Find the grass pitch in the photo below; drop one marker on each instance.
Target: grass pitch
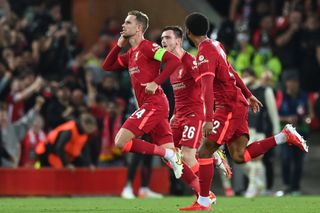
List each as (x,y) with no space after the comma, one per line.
(168,204)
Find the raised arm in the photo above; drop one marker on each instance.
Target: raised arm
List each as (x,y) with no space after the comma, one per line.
(114,61)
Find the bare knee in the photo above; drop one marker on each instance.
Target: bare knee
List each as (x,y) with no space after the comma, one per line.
(207,148)
(122,138)
(238,157)
(204,153)
(190,160)
(118,141)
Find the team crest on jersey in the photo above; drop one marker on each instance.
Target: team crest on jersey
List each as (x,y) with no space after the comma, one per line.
(201,57)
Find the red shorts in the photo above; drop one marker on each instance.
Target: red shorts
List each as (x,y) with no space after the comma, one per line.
(187,131)
(151,120)
(229,125)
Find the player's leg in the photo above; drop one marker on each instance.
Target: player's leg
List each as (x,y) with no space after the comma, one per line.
(161,135)
(189,141)
(209,145)
(242,153)
(141,121)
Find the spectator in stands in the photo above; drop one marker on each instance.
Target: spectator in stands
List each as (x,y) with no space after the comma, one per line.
(264,59)
(18,94)
(242,58)
(66,145)
(59,109)
(265,33)
(288,41)
(109,115)
(12,133)
(262,124)
(34,136)
(310,60)
(293,108)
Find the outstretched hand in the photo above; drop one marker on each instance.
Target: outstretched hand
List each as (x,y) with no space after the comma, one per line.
(255,104)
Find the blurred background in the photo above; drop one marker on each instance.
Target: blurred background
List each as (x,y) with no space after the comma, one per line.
(54,49)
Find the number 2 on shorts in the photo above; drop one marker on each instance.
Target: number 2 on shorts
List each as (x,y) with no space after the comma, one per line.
(216,125)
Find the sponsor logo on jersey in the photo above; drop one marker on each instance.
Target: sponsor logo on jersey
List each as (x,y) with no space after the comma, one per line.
(202,60)
(178,86)
(133,70)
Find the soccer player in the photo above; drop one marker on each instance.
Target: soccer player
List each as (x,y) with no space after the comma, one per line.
(188,115)
(229,123)
(143,60)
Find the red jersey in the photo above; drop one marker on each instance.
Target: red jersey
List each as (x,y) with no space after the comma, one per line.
(187,92)
(144,67)
(227,89)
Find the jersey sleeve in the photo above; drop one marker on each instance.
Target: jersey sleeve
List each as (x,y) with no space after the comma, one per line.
(114,61)
(155,52)
(206,64)
(244,89)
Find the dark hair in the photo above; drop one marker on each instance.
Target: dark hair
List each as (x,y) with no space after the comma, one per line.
(88,119)
(141,18)
(197,24)
(177,30)
(3,106)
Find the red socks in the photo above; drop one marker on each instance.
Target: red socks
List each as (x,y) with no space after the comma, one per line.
(258,148)
(189,177)
(143,147)
(205,175)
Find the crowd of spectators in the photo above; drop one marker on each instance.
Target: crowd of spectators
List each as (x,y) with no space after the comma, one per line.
(41,55)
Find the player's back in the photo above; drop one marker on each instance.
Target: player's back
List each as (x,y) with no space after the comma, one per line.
(226,93)
(187,92)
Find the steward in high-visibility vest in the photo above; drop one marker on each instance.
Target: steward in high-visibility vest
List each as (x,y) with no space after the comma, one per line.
(65,143)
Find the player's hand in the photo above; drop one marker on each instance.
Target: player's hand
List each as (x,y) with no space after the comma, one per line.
(207,129)
(255,104)
(39,103)
(151,87)
(122,41)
